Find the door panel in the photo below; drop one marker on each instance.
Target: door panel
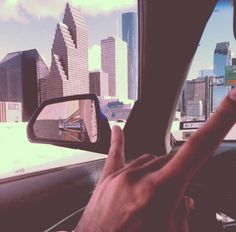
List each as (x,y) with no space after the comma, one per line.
(38,202)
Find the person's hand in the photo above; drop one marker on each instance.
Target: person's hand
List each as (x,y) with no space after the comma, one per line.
(148,193)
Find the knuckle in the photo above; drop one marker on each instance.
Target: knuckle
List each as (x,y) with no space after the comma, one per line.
(149,185)
(114,151)
(127,176)
(147,155)
(117,142)
(226,108)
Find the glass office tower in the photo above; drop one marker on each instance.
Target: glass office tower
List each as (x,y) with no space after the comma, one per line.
(130,36)
(222,58)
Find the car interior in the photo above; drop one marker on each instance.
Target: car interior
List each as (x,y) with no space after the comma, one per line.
(54,199)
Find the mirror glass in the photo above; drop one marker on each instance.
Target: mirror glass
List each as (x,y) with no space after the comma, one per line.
(72,121)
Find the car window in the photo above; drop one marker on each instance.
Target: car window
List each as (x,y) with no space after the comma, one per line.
(61,48)
(211,75)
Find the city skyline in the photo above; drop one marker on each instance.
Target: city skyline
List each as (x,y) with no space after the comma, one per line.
(218,29)
(17,35)
(69,73)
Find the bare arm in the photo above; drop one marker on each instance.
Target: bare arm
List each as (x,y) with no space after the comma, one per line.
(147,193)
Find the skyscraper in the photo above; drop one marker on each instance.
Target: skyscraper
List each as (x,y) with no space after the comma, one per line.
(222,58)
(20,74)
(98,83)
(114,62)
(130,35)
(69,67)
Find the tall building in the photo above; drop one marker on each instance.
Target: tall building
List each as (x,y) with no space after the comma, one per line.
(69,67)
(130,36)
(20,75)
(222,58)
(114,62)
(98,83)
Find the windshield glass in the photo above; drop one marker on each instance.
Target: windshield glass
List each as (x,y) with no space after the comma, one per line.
(211,76)
(59,48)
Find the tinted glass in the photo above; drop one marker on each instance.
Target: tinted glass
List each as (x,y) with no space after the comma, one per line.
(212,73)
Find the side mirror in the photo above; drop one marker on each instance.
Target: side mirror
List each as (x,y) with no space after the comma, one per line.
(73,121)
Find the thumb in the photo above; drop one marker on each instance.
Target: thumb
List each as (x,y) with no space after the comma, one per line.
(115,159)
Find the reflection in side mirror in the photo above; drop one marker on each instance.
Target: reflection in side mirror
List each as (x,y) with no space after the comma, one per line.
(72,121)
(68,121)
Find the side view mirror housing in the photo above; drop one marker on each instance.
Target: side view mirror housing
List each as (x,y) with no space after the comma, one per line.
(73,121)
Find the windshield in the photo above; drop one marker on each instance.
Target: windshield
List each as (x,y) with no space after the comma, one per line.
(211,76)
(59,48)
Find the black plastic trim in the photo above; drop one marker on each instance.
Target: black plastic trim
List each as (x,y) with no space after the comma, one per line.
(33,138)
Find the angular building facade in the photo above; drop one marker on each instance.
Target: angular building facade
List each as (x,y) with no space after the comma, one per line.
(222,58)
(130,36)
(98,83)
(114,61)
(20,75)
(69,67)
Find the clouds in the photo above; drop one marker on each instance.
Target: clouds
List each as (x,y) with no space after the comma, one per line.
(10,10)
(95,7)
(20,10)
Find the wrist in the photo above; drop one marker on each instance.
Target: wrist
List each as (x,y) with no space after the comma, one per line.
(85,225)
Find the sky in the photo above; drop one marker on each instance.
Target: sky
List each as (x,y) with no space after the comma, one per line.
(31,24)
(218,29)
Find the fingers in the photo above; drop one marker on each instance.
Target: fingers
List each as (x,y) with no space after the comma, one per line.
(136,165)
(150,165)
(141,160)
(115,159)
(202,144)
